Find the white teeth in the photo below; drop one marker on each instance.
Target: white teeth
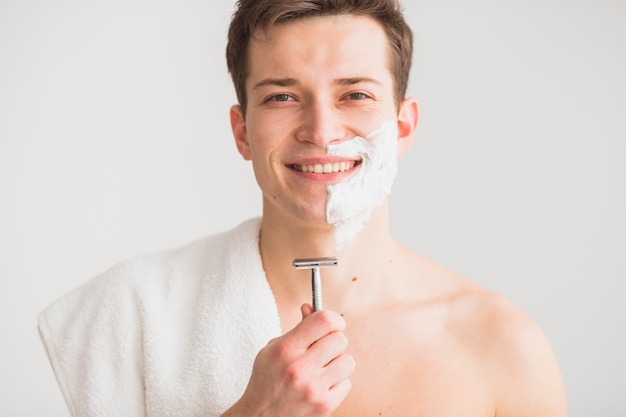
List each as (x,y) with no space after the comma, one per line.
(325,168)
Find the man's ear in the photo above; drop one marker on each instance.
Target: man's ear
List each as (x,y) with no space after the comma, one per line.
(407,124)
(240,132)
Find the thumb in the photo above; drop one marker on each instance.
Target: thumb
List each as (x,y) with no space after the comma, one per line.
(306,309)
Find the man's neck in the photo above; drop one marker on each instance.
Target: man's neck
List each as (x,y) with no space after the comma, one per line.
(364,263)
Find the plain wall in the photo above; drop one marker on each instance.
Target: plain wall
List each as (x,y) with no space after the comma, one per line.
(115,141)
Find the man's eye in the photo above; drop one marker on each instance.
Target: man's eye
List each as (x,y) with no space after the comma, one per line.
(280,97)
(357,96)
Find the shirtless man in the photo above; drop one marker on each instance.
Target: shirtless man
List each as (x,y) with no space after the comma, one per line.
(219,326)
(401,336)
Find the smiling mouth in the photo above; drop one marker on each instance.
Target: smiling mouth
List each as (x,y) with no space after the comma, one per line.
(328,168)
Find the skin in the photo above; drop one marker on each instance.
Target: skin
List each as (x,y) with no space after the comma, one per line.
(401,336)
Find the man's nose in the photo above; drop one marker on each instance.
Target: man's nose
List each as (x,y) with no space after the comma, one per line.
(321,125)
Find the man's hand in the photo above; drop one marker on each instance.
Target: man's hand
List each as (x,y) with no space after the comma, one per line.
(302,373)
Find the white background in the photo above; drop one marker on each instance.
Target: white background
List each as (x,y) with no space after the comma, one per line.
(114,141)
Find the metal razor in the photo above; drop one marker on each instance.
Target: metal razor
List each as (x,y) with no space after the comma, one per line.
(314,264)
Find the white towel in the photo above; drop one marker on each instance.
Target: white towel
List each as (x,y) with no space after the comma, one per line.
(168,334)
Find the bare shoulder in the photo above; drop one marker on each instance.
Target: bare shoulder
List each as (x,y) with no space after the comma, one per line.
(436,335)
(515,355)
(502,345)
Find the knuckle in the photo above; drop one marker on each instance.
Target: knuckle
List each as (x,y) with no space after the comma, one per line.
(295,374)
(325,317)
(338,342)
(342,340)
(282,351)
(309,393)
(320,403)
(323,408)
(342,390)
(330,319)
(350,363)
(348,385)
(345,365)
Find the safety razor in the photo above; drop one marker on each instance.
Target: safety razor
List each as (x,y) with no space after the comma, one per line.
(314,264)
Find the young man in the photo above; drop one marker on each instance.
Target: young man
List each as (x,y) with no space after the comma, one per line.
(223,326)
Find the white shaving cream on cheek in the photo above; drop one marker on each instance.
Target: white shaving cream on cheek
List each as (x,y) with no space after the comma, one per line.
(350,203)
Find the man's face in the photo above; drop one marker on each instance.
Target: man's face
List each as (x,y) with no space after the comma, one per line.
(319,81)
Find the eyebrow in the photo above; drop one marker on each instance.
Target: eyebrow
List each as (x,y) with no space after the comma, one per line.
(356,80)
(288,82)
(279,82)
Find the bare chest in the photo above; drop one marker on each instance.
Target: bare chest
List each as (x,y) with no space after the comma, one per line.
(402,373)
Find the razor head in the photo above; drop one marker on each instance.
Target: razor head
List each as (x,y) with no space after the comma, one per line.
(309,263)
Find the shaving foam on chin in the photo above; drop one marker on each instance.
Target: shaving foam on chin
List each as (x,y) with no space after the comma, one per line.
(350,203)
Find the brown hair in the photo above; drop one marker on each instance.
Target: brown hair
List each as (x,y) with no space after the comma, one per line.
(251,15)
